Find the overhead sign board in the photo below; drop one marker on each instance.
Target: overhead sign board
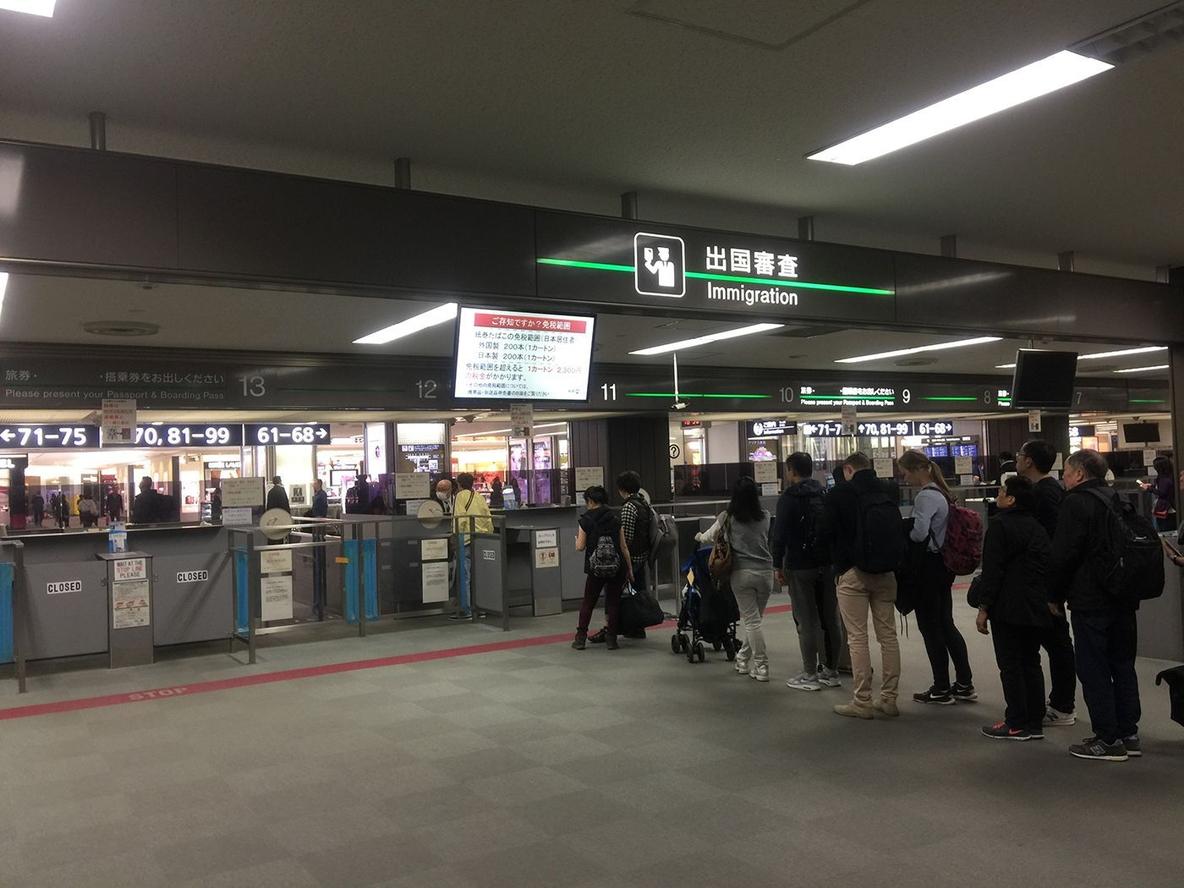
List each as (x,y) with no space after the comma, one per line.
(36,437)
(172,435)
(772,428)
(599,261)
(504,355)
(258,434)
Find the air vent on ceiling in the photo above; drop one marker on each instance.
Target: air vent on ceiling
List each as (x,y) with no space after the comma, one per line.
(121,328)
(916,362)
(1138,37)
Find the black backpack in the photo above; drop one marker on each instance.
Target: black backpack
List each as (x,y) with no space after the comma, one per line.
(809,547)
(879,533)
(643,528)
(1128,561)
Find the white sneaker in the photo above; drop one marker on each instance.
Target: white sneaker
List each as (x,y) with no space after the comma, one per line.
(804,682)
(742,666)
(829,678)
(1054,718)
(760,672)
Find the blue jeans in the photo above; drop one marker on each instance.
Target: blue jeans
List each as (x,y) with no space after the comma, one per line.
(1107,642)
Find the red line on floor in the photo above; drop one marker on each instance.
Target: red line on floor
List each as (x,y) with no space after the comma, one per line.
(246,681)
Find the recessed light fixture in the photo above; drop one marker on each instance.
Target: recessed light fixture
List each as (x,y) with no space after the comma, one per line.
(703,340)
(1144,369)
(1005,366)
(1123,352)
(900,352)
(492,432)
(439,315)
(1014,88)
(32,7)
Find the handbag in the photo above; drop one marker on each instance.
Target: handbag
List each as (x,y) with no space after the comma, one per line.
(719,564)
(639,610)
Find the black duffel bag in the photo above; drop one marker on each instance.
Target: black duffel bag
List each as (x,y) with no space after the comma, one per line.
(639,610)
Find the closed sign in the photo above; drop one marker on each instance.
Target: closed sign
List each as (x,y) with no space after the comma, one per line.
(63,586)
(192,576)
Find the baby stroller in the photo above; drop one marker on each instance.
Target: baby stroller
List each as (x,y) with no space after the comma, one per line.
(708,612)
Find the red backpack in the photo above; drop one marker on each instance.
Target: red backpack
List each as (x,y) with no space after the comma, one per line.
(963,549)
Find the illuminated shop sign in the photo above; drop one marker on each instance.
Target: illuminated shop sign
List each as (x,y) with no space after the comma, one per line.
(904,428)
(170,435)
(49,436)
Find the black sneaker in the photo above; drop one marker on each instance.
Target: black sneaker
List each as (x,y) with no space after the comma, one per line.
(610,642)
(579,641)
(598,637)
(1134,749)
(935,696)
(1098,750)
(1001,731)
(964,693)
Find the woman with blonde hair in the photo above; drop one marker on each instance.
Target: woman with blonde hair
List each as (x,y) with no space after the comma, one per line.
(934,583)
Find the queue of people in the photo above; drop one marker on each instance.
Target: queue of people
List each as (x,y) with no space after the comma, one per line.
(1048,563)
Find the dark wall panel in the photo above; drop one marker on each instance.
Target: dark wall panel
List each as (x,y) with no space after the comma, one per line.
(956,293)
(640,443)
(238,222)
(62,205)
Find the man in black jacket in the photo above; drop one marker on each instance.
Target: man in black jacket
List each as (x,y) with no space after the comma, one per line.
(798,557)
(277,497)
(1012,595)
(1035,461)
(1104,628)
(845,514)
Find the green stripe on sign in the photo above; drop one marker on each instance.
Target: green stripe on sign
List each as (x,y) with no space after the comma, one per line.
(729,278)
(694,395)
(950,398)
(596,266)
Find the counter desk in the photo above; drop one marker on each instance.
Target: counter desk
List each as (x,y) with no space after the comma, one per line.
(68,600)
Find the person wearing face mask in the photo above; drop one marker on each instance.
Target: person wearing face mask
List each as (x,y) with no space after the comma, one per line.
(1105,629)
(1011,596)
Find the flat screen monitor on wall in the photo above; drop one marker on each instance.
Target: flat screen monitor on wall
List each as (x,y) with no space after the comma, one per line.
(1140,432)
(504,355)
(1043,379)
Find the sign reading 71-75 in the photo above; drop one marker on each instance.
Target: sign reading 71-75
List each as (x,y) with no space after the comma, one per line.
(49,436)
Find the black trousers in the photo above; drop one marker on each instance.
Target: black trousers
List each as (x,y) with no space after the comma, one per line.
(1107,642)
(1062,665)
(1017,651)
(935,619)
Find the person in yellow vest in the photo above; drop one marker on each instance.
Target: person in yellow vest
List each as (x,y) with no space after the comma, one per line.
(470,512)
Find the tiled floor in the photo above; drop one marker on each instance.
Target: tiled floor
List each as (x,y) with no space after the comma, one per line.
(543,766)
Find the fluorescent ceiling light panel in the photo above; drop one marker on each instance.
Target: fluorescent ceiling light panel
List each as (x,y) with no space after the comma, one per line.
(495,432)
(703,340)
(901,352)
(1123,352)
(1014,88)
(1005,366)
(32,7)
(1144,369)
(3,287)
(439,315)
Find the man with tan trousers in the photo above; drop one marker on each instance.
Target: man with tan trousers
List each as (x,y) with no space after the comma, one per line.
(863,526)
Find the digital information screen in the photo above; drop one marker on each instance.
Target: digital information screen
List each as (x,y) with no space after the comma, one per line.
(170,435)
(49,436)
(518,355)
(259,434)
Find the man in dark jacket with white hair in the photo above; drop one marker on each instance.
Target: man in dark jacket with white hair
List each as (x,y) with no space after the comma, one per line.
(1104,627)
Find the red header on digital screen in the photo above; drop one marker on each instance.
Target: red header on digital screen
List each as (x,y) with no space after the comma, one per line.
(507,321)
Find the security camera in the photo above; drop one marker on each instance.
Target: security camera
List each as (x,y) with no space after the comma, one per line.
(679,405)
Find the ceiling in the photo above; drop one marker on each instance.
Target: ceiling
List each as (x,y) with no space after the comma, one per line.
(49,309)
(714,98)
